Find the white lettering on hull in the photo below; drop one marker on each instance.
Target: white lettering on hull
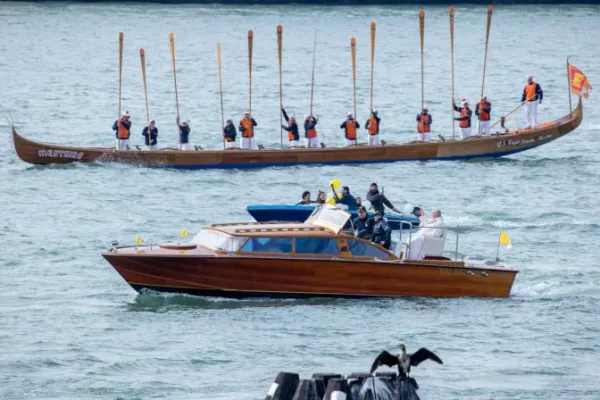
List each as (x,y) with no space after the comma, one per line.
(76,155)
(518,142)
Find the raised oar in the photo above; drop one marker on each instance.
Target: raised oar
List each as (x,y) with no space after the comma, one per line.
(487,39)
(221,90)
(120,71)
(353,50)
(250,38)
(312,83)
(143,61)
(372,61)
(172,40)
(279,48)
(422,29)
(451,12)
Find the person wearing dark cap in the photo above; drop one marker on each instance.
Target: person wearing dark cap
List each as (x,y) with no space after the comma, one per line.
(153,136)
(363,224)
(346,199)
(378,199)
(382,234)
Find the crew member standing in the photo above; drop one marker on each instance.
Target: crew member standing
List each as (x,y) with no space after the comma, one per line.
(531,94)
(372,127)
(184,134)
(246,127)
(122,128)
(424,125)
(350,125)
(229,134)
(483,110)
(292,129)
(153,136)
(464,121)
(310,133)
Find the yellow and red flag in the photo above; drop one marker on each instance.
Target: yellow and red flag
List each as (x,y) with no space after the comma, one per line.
(579,82)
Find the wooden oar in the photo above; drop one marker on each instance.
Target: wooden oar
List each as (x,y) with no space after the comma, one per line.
(143,61)
(372,61)
(422,29)
(221,90)
(353,50)
(279,48)
(451,12)
(487,39)
(172,41)
(120,73)
(513,110)
(312,83)
(250,37)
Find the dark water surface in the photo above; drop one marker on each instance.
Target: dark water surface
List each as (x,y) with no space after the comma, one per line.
(71,328)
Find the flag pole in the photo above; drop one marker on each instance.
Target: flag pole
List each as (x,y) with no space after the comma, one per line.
(569,86)
(498,249)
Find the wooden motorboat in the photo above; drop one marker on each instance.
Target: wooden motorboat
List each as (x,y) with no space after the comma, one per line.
(301,212)
(298,260)
(497,145)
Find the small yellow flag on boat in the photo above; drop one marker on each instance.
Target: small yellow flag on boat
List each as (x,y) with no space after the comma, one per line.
(505,239)
(138,240)
(183,232)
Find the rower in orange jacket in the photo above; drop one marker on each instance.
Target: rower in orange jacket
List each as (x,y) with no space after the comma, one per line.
(122,128)
(424,121)
(310,132)
(247,124)
(483,110)
(532,93)
(350,125)
(372,127)
(464,121)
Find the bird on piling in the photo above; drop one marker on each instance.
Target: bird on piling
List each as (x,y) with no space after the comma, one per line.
(404,360)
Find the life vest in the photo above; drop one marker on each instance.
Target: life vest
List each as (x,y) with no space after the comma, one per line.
(464,123)
(123,129)
(312,132)
(484,115)
(424,124)
(249,128)
(530,91)
(291,135)
(372,126)
(351,130)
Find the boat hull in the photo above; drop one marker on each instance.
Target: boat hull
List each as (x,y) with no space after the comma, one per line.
(290,213)
(472,148)
(246,277)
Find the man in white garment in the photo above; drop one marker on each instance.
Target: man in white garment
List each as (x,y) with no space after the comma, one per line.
(483,110)
(246,128)
(464,120)
(532,93)
(432,229)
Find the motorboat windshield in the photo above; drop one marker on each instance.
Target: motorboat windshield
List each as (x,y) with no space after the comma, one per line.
(217,240)
(330,217)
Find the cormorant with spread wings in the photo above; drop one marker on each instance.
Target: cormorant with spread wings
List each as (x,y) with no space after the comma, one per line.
(404,360)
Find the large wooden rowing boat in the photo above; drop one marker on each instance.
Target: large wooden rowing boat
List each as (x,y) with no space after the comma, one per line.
(313,259)
(497,145)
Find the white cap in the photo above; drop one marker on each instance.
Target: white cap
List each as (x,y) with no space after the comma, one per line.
(246,112)
(348,114)
(374,111)
(293,116)
(126,113)
(307,116)
(187,122)
(425,108)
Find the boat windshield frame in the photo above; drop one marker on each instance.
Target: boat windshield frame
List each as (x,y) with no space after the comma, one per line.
(329,217)
(217,240)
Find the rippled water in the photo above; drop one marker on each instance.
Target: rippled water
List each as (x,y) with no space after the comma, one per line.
(73,329)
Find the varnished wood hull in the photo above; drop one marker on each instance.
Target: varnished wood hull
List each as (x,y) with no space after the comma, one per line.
(481,147)
(242,277)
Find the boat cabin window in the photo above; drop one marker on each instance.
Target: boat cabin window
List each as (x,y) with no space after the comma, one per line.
(308,245)
(217,240)
(362,249)
(267,245)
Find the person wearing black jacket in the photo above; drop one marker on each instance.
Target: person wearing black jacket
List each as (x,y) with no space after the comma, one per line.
(153,136)
(229,133)
(363,225)
(378,200)
(382,234)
